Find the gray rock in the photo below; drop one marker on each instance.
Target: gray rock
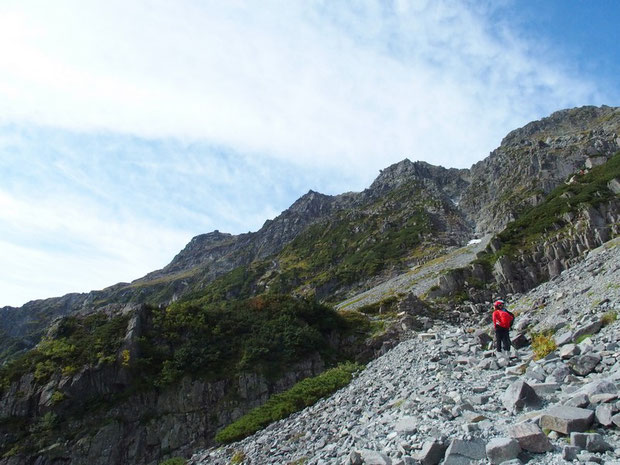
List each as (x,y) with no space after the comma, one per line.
(581,400)
(616,420)
(355,458)
(545,388)
(520,341)
(569,453)
(592,442)
(604,386)
(371,457)
(501,449)
(519,395)
(462,452)
(407,425)
(432,453)
(530,437)
(603,414)
(563,338)
(565,419)
(583,365)
(590,328)
(569,350)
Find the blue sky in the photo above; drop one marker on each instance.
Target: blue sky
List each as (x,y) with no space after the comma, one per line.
(126,128)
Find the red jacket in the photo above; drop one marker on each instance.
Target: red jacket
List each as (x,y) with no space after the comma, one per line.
(502,319)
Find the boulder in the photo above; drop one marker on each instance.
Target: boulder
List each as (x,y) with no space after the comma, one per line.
(603,386)
(565,419)
(569,350)
(355,458)
(484,339)
(569,453)
(371,457)
(592,442)
(563,338)
(462,452)
(432,453)
(406,425)
(603,414)
(518,395)
(583,365)
(520,341)
(590,328)
(530,438)
(502,449)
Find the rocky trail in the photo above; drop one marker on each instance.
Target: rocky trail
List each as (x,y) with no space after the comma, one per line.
(420,278)
(440,396)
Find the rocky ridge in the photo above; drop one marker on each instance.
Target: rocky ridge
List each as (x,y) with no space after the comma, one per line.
(441,396)
(529,163)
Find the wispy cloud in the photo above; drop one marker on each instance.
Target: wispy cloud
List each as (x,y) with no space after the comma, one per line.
(127,127)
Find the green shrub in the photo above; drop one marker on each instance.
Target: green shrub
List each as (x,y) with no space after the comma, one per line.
(609,318)
(582,338)
(237,458)
(543,344)
(173,461)
(279,406)
(265,333)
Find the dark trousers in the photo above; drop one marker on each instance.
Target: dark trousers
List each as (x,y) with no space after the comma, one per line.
(502,338)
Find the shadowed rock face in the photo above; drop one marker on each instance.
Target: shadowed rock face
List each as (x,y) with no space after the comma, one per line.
(533,160)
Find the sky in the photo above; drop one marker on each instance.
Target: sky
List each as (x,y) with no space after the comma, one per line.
(127,128)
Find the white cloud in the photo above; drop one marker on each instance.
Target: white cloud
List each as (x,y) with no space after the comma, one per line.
(311,82)
(128,127)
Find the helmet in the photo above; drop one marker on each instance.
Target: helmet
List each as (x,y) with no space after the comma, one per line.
(499,303)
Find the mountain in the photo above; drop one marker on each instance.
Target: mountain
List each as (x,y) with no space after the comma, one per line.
(160,364)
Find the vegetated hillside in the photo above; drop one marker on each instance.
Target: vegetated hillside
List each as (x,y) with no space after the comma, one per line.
(441,395)
(160,364)
(155,380)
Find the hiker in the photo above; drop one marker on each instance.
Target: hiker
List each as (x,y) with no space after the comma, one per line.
(502,321)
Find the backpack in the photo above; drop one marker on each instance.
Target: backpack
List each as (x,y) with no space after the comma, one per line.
(511,314)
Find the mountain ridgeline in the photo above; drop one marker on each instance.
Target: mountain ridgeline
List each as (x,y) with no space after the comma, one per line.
(161,364)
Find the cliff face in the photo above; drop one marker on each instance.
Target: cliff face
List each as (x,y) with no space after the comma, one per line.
(533,160)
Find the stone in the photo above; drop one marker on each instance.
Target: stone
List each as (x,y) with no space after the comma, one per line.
(484,339)
(530,438)
(462,452)
(371,457)
(590,328)
(563,338)
(603,386)
(432,453)
(406,425)
(581,400)
(592,442)
(518,395)
(545,388)
(565,419)
(568,351)
(583,365)
(520,341)
(569,453)
(501,449)
(603,414)
(602,398)
(355,458)
(616,420)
